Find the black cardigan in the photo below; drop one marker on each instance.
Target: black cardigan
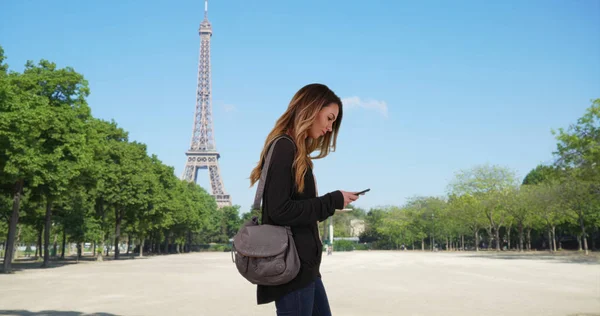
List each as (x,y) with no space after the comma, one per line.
(284,205)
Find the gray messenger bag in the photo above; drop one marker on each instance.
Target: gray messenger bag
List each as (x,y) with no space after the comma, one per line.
(265,254)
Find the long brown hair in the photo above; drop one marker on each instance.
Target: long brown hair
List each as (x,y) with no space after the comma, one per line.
(296,122)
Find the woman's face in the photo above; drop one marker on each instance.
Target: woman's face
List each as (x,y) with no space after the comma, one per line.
(323,123)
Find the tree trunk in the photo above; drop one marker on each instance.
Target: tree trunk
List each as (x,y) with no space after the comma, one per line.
(462,242)
(189,241)
(550,240)
(47,229)
(38,251)
(583,235)
(579,242)
(560,245)
(17,241)
(594,238)
(94,250)
(521,237)
(167,242)
(12,227)
(422,244)
(106,244)
(64,244)
(477,240)
(497,234)
(447,244)
(178,247)
(142,239)
(508,236)
(55,245)
(554,237)
(128,244)
(101,246)
(118,218)
(529,239)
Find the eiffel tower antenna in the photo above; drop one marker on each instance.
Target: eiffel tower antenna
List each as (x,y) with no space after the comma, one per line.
(203,152)
(206,9)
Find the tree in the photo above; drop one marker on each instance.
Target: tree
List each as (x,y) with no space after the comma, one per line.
(127,192)
(579,146)
(25,118)
(467,210)
(540,174)
(62,134)
(578,156)
(581,203)
(394,226)
(231,220)
(59,165)
(521,209)
(547,204)
(416,230)
(490,185)
(104,139)
(3,66)
(373,220)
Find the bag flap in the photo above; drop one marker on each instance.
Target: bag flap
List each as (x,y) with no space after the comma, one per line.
(261,240)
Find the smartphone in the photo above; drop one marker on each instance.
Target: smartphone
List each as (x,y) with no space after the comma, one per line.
(363,192)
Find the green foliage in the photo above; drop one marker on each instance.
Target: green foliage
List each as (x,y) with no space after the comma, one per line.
(3,66)
(231,220)
(248,215)
(84,175)
(361,247)
(97,185)
(220,248)
(343,245)
(578,157)
(541,174)
(578,146)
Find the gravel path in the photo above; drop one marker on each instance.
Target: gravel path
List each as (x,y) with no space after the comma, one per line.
(358,283)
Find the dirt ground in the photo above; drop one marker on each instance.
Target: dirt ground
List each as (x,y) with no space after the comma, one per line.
(358,283)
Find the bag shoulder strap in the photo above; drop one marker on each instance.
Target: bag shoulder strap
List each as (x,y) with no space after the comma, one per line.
(264,171)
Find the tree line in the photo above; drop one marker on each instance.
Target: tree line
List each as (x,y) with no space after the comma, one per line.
(66,176)
(487,206)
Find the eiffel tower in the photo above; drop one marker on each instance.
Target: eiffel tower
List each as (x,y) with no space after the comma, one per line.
(203,153)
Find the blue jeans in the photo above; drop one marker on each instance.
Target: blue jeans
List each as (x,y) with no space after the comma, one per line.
(308,301)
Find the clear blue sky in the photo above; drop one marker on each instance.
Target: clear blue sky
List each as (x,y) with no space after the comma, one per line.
(437,86)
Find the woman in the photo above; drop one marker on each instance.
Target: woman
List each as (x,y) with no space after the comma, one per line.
(311,121)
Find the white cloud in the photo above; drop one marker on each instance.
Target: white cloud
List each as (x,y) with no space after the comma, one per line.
(369,104)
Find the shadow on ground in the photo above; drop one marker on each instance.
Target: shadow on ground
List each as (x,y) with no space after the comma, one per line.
(21,312)
(36,263)
(559,257)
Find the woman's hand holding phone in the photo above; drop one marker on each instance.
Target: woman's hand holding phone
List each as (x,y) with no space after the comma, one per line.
(350,197)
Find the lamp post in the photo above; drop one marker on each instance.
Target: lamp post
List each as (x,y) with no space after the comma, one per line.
(432,232)
(330,250)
